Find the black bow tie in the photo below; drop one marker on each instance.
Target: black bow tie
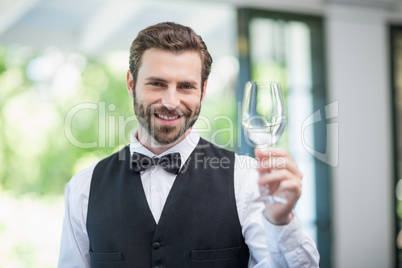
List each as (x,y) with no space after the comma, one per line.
(170,162)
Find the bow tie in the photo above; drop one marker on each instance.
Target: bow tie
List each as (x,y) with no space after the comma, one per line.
(170,162)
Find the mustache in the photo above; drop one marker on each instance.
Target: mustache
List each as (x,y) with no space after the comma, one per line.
(166,111)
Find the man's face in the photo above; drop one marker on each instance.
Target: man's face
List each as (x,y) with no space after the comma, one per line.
(167,94)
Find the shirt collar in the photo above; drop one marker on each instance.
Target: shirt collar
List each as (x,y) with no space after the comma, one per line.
(184,147)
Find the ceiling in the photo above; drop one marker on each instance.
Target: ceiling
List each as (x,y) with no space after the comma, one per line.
(95,26)
(92,27)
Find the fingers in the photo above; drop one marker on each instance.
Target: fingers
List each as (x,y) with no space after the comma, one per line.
(281,181)
(275,163)
(264,152)
(276,158)
(280,174)
(293,187)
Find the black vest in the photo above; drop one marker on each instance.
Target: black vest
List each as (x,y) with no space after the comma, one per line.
(199,225)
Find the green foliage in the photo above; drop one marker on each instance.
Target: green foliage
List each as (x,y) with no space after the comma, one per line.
(35,154)
(264,71)
(61,112)
(26,252)
(218,120)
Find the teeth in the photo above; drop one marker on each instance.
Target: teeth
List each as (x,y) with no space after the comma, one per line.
(168,117)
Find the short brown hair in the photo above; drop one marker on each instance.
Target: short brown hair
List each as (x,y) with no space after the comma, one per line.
(172,37)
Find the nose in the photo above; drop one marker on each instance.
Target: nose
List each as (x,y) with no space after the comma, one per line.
(171,99)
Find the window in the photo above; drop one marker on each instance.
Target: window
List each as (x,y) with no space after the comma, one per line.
(396,81)
(288,48)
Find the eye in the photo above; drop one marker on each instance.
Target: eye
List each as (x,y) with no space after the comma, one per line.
(187,86)
(156,84)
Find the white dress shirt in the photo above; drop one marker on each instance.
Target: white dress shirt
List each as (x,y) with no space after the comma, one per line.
(269,245)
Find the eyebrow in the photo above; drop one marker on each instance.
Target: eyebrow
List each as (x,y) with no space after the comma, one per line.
(158,79)
(153,78)
(186,82)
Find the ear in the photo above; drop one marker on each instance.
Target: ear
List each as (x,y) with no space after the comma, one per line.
(130,83)
(204,90)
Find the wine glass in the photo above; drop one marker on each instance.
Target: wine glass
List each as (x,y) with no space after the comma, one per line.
(264,120)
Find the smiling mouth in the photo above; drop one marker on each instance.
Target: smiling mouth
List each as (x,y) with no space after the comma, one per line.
(167,117)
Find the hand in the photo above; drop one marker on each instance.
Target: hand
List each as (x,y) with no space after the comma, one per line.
(279,172)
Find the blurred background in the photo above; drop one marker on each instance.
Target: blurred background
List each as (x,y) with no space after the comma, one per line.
(64,106)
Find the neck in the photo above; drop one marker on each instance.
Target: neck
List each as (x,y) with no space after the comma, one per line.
(152,145)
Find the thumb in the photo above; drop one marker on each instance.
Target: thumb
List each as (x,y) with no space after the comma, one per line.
(261,153)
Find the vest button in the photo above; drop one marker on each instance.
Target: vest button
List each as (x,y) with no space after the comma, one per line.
(156,245)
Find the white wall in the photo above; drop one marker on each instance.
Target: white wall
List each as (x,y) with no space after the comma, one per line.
(358,62)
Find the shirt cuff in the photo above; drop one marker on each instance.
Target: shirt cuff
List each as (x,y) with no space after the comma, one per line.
(283,238)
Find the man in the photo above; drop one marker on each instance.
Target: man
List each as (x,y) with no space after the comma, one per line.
(172,199)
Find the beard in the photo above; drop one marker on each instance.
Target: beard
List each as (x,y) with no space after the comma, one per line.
(164,134)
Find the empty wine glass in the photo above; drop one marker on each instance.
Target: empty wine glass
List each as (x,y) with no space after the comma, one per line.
(264,120)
